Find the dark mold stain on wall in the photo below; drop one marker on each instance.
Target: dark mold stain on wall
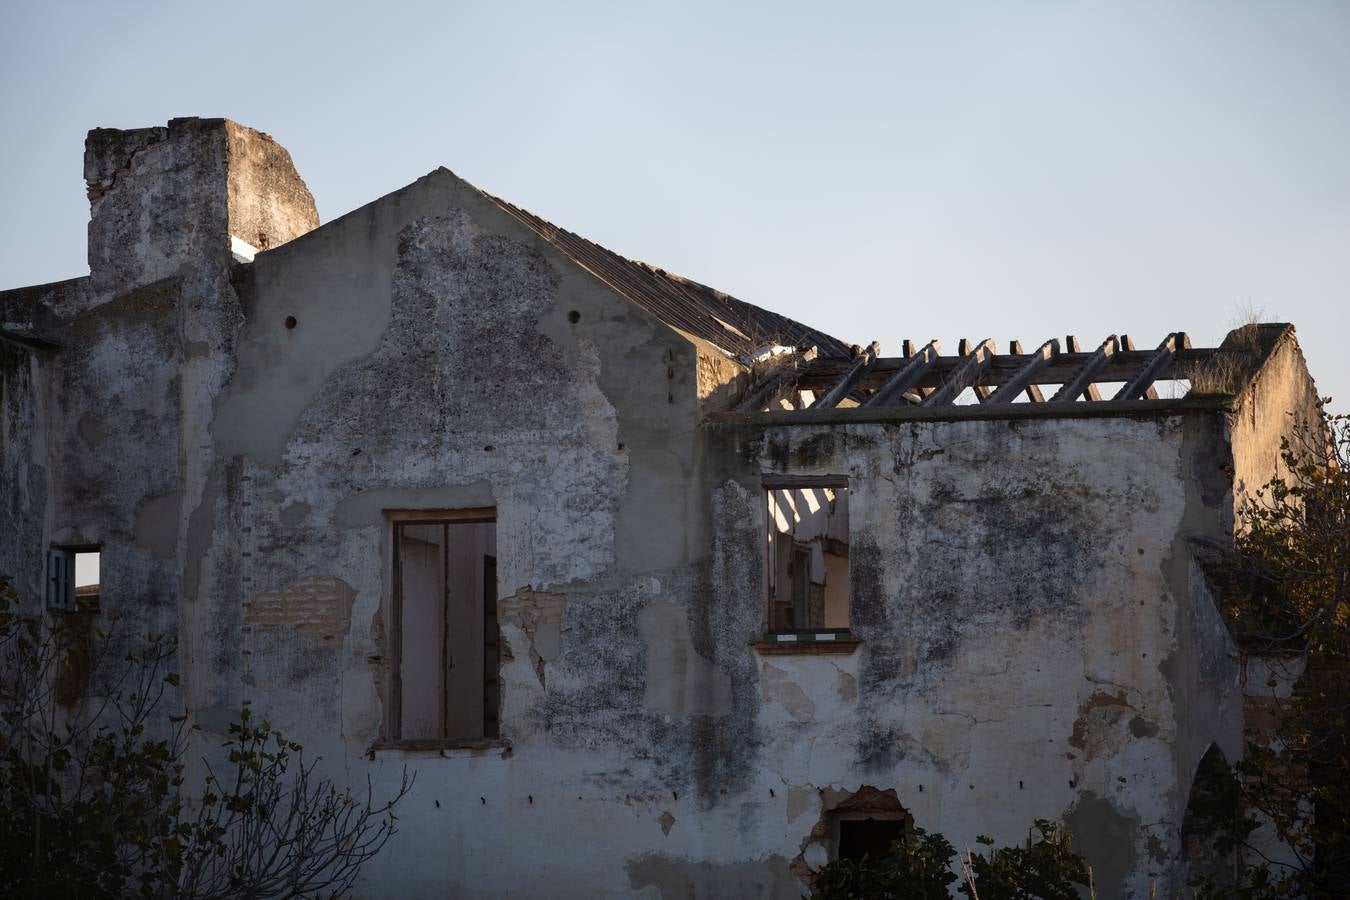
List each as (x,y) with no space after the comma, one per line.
(1106,837)
(711,754)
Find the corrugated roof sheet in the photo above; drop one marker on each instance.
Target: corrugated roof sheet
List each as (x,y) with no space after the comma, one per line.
(737,327)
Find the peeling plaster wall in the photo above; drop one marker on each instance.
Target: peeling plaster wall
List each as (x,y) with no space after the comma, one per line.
(111,428)
(115,447)
(1025,599)
(1280,402)
(440,355)
(27,427)
(1021,642)
(24,467)
(721,380)
(1036,639)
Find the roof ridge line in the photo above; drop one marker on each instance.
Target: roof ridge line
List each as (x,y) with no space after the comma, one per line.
(734,326)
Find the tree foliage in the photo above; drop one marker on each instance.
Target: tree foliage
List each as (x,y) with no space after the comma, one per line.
(93,792)
(919,867)
(1292,604)
(1047,868)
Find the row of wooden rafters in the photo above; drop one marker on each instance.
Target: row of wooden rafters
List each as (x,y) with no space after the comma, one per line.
(926,378)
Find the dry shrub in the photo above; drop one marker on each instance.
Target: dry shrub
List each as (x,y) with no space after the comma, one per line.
(1227,370)
(1223,373)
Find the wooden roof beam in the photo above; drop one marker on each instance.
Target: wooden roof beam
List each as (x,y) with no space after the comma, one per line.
(778,385)
(1092,393)
(982,391)
(861,366)
(909,375)
(1087,373)
(1141,385)
(1033,390)
(1021,381)
(973,365)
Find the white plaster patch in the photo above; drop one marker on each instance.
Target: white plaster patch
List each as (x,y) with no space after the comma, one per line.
(777,686)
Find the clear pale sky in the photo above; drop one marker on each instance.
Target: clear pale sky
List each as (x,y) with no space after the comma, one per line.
(881,171)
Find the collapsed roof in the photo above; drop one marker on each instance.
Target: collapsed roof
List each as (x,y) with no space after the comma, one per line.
(827,373)
(1115,371)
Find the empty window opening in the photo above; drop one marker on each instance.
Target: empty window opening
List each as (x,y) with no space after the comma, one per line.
(445,625)
(853,824)
(807,556)
(1212,810)
(73,578)
(871,838)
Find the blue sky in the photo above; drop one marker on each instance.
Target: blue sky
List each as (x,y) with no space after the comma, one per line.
(882,171)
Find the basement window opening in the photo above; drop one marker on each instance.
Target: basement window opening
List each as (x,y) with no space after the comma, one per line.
(863,834)
(73,581)
(806,559)
(444,636)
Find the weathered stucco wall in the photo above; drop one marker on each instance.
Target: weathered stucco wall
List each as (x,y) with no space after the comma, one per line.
(147,341)
(426,352)
(26,428)
(1280,402)
(115,456)
(24,469)
(1022,590)
(1036,638)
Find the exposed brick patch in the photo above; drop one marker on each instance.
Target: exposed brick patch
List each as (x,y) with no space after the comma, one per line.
(539,615)
(319,606)
(1097,719)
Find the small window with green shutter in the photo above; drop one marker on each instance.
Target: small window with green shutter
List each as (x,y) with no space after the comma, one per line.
(73,578)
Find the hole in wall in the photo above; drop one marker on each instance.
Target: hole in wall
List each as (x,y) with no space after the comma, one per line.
(291,322)
(1213,806)
(574,317)
(869,836)
(854,824)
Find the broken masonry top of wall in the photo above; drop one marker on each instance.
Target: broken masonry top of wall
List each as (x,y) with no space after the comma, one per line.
(167,198)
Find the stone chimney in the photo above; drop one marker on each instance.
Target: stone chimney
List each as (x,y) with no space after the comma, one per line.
(186,196)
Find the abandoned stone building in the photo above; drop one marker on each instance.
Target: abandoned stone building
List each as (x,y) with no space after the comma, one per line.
(660,594)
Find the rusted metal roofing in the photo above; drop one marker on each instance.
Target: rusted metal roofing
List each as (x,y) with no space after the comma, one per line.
(737,327)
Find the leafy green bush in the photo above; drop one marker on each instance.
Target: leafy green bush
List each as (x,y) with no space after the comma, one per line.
(919,867)
(1047,868)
